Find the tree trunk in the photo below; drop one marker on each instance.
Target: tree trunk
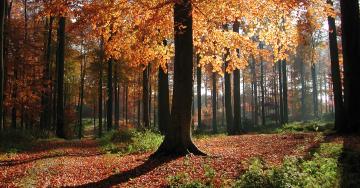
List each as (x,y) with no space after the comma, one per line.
(178,137)
(2,71)
(198,77)
(315,90)
(146,98)
(263,122)
(285,93)
(46,114)
(214,108)
(60,132)
(81,102)
(350,24)
(281,101)
(100,85)
(237,102)
(303,88)
(117,97)
(335,73)
(109,102)
(255,94)
(163,102)
(228,106)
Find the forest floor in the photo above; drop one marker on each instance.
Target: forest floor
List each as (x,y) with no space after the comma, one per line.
(59,163)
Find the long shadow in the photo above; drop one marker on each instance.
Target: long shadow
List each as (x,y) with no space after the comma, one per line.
(11,163)
(125,176)
(350,162)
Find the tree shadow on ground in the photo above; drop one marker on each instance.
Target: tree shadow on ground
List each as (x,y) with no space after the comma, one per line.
(350,162)
(10,163)
(125,176)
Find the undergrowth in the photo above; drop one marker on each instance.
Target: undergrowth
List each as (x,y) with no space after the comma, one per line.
(127,141)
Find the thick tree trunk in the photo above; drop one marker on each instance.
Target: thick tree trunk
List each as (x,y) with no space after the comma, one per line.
(178,137)
(46,114)
(236,88)
(2,71)
(214,102)
(163,102)
(350,22)
(146,98)
(228,106)
(109,101)
(60,132)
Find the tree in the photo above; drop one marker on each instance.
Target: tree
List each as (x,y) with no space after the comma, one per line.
(178,140)
(109,101)
(163,99)
(60,58)
(237,102)
(214,108)
(146,97)
(350,24)
(198,90)
(2,72)
(100,85)
(335,72)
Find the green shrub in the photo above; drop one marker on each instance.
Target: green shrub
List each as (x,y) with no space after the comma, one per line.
(126,141)
(307,126)
(321,171)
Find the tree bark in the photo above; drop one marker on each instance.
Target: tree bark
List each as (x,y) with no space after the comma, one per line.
(60,132)
(117,97)
(100,85)
(198,77)
(285,93)
(178,137)
(146,98)
(214,103)
(237,101)
(281,101)
(109,102)
(2,71)
(315,90)
(263,122)
(163,102)
(228,105)
(46,114)
(81,102)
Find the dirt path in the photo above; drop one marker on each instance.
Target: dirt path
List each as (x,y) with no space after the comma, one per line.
(75,163)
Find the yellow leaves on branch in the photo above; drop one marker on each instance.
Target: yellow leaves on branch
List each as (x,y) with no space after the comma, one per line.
(134,31)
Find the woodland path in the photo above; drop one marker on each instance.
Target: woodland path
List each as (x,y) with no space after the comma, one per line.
(73,163)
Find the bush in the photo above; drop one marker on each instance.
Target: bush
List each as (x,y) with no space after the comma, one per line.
(320,171)
(307,126)
(16,140)
(126,141)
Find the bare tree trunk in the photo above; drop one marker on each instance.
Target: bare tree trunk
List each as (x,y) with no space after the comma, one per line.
(214,108)
(335,73)
(198,77)
(60,132)
(2,70)
(178,137)
(100,85)
(146,99)
(109,102)
(163,101)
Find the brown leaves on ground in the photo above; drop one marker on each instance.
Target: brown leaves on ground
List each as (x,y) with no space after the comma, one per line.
(80,163)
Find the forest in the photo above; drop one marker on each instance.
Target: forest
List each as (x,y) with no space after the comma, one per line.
(180,93)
